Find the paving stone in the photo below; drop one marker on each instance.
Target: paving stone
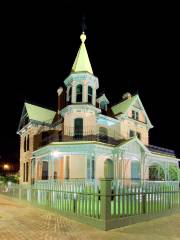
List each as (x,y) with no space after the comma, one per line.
(21,221)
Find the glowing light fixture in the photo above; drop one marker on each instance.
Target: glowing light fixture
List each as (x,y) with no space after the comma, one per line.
(6,166)
(55,154)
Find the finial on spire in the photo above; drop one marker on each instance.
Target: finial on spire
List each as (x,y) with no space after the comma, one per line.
(83,25)
(83,37)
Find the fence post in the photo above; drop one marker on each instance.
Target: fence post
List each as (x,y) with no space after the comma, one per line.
(105,196)
(143,202)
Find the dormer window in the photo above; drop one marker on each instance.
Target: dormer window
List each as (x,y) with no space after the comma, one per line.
(79,93)
(90,93)
(103,105)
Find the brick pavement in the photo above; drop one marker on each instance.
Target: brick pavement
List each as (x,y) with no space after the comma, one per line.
(20,221)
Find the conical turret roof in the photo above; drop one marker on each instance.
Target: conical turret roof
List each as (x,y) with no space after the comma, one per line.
(82,63)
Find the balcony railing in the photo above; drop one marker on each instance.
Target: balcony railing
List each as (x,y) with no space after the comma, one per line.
(71,134)
(161,150)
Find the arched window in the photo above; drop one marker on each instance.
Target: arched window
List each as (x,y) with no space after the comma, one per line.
(24,144)
(79,93)
(70,94)
(90,93)
(28,143)
(156,172)
(78,128)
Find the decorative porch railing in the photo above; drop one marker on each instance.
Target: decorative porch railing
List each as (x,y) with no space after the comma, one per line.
(88,134)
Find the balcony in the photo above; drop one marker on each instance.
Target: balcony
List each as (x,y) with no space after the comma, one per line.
(161,150)
(71,135)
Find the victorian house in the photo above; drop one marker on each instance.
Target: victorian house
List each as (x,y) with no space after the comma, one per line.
(87,137)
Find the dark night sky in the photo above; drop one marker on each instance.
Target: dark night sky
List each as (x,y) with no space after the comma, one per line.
(131,48)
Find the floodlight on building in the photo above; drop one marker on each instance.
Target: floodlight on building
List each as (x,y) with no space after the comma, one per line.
(55,154)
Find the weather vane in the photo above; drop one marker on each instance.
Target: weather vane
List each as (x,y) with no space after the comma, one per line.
(83,24)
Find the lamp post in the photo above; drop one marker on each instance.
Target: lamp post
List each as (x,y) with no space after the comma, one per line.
(6,167)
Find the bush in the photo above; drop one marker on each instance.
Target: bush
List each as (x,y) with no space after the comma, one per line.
(12,178)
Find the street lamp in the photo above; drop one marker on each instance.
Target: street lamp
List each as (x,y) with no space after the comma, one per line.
(6,167)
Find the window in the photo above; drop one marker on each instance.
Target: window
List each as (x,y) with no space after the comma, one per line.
(103,105)
(27,143)
(24,172)
(24,144)
(90,168)
(139,135)
(79,93)
(27,171)
(44,170)
(70,94)
(135,115)
(135,170)
(78,128)
(90,92)
(131,133)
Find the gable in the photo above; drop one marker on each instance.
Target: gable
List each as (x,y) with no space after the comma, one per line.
(123,106)
(136,104)
(39,114)
(24,120)
(36,113)
(133,145)
(133,102)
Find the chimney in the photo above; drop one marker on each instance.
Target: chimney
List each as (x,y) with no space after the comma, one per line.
(126,95)
(61,98)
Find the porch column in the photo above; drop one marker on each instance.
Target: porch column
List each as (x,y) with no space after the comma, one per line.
(32,170)
(52,167)
(122,164)
(36,168)
(49,167)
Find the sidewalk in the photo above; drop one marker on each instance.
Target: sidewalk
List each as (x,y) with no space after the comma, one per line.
(20,221)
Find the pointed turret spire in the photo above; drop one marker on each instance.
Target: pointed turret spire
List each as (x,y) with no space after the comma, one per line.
(82,63)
